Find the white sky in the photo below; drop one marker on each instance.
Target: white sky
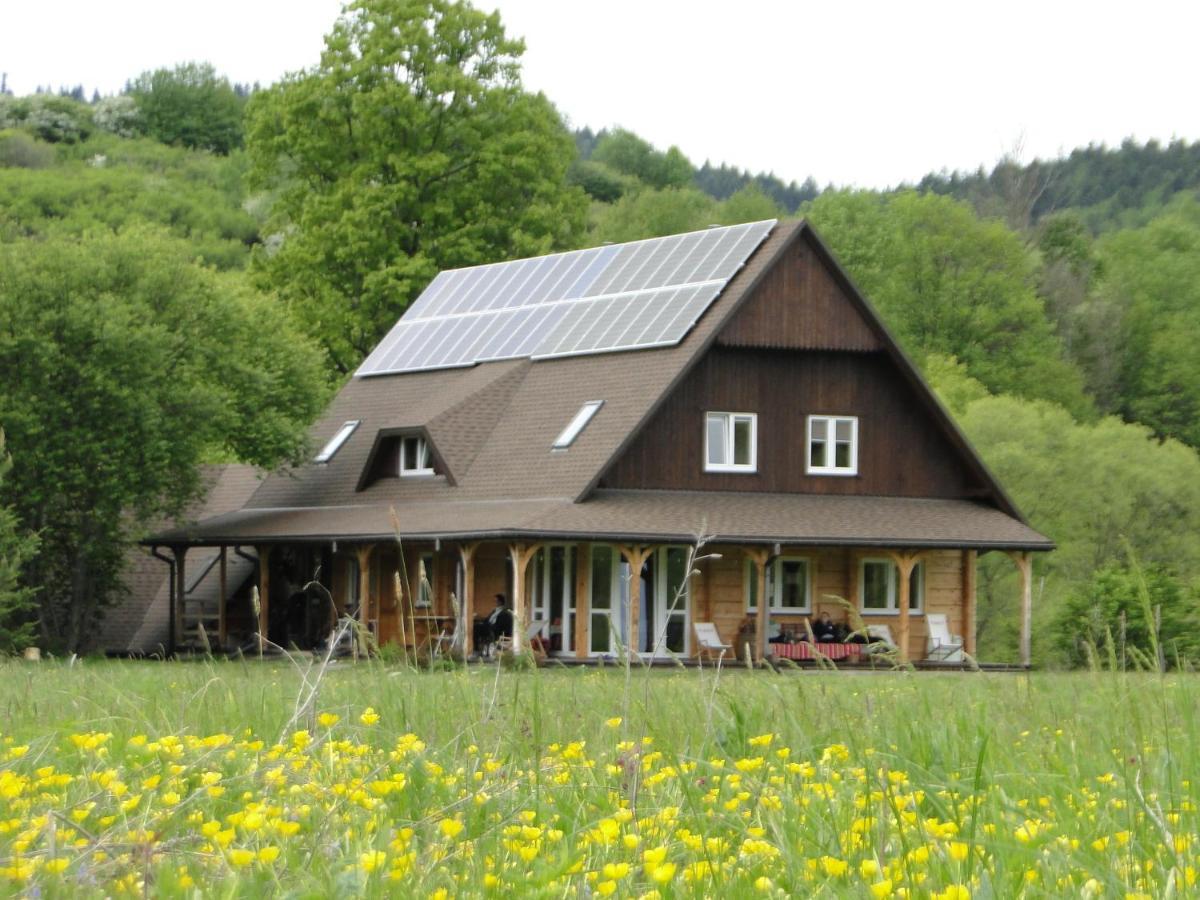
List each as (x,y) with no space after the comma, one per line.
(865,93)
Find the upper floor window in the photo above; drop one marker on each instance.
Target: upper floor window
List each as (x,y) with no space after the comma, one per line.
(878,587)
(335,442)
(730,442)
(832,445)
(415,458)
(577,424)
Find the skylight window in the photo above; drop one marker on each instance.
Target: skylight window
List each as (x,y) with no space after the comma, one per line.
(577,424)
(335,442)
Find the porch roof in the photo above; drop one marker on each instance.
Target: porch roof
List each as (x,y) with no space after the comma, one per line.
(639,516)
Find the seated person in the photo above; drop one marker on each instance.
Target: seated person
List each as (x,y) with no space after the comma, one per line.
(499,623)
(824,631)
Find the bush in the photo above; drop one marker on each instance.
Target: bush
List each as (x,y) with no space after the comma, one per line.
(1120,602)
(118,115)
(53,119)
(19,150)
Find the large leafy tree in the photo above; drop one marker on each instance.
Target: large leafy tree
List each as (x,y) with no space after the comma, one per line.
(124,366)
(411,147)
(949,282)
(1150,300)
(189,105)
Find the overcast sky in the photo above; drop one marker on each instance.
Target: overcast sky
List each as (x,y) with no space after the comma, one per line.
(852,93)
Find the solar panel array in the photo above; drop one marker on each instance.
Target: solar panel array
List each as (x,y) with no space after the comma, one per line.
(620,297)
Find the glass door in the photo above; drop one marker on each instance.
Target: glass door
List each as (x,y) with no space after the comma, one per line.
(552,597)
(663,625)
(609,600)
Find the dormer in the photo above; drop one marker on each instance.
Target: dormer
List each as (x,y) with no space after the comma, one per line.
(404,453)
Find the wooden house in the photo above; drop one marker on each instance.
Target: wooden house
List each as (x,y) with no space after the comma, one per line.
(563,431)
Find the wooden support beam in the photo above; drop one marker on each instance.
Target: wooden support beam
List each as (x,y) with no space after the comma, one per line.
(520,555)
(905,563)
(583,598)
(180,597)
(365,601)
(760,557)
(466,553)
(264,593)
(223,600)
(853,567)
(635,556)
(969,558)
(1024,561)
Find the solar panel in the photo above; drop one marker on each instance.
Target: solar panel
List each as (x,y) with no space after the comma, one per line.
(604,299)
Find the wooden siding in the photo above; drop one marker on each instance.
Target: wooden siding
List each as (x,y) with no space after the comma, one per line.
(800,305)
(902,452)
(832,573)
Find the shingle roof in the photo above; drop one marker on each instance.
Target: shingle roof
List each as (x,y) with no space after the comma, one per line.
(643,515)
(485,420)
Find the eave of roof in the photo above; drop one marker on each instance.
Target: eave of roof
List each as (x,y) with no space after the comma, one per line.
(644,516)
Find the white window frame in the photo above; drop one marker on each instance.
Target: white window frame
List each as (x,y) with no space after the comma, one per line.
(334,444)
(423,452)
(731,419)
(775,585)
(916,601)
(575,427)
(830,468)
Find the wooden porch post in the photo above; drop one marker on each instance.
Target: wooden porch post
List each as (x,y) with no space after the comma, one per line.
(224,598)
(759,557)
(968,600)
(636,556)
(466,553)
(264,592)
(520,554)
(905,563)
(180,598)
(1024,561)
(363,554)
(583,598)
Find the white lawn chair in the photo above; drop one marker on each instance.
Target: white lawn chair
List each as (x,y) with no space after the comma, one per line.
(532,631)
(709,640)
(881,640)
(941,645)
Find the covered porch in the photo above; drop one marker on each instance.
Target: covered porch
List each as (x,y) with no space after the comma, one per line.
(577,600)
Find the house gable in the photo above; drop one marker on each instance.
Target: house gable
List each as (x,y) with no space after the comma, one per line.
(805,342)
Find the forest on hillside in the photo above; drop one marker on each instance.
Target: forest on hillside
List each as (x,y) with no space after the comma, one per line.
(254,244)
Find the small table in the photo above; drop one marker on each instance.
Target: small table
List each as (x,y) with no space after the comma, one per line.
(805,650)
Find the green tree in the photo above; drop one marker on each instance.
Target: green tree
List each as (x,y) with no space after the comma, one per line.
(124,366)
(17,618)
(749,204)
(1149,307)
(190,106)
(948,282)
(625,152)
(1119,603)
(411,147)
(652,212)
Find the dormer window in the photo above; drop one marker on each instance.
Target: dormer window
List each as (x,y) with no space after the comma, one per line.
(832,445)
(335,442)
(415,458)
(730,442)
(577,424)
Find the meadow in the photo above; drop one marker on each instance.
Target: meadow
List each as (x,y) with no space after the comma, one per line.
(247,778)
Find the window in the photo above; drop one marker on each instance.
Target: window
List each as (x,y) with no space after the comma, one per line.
(577,424)
(730,442)
(335,442)
(877,587)
(414,456)
(832,445)
(425,575)
(787,585)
